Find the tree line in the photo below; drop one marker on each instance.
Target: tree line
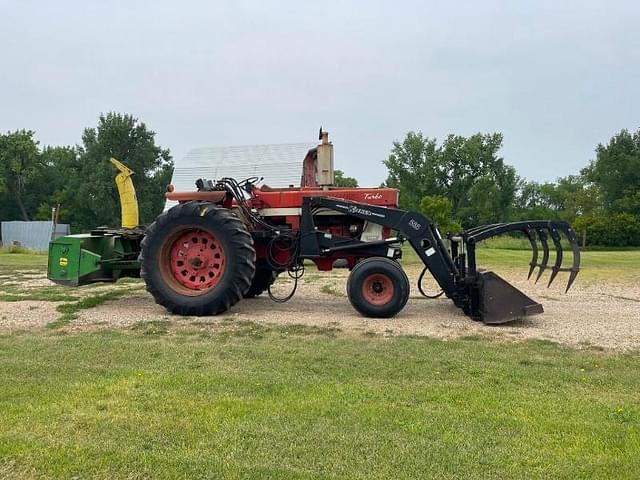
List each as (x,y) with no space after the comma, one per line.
(459,183)
(80,179)
(463,182)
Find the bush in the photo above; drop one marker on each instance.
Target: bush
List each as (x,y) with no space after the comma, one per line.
(613,230)
(440,211)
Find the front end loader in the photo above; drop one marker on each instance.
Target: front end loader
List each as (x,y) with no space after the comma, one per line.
(231,239)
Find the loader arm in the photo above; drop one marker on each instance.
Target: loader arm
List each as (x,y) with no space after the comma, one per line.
(413,227)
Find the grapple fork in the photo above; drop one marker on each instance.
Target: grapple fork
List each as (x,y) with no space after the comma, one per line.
(545,253)
(544,229)
(513,303)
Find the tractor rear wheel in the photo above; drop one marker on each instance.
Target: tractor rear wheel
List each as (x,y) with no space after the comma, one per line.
(378,287)
(197,259)
(262,280)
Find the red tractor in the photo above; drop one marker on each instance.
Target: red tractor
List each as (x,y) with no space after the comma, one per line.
(230,239)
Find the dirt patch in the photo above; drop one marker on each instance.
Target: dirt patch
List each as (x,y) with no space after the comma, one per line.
(27,314)
(34,281)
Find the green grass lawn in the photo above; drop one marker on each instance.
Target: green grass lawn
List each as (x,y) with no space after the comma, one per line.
(595,265)
(294,402)
(23,260)
(180,399)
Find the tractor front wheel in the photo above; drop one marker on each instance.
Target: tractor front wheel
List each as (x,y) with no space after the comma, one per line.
(378,287)
(197,259)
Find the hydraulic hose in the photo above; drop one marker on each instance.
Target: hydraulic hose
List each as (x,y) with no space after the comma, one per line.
(422,292)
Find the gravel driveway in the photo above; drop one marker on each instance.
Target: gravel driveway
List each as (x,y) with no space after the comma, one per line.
(597,314)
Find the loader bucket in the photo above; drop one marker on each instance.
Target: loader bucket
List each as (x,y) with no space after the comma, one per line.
(501,302)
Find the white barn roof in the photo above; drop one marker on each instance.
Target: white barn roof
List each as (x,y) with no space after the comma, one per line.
(280,165)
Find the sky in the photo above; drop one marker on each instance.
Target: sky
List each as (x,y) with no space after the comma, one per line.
(555,77)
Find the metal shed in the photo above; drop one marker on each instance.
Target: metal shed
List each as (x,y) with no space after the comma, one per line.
(34,235)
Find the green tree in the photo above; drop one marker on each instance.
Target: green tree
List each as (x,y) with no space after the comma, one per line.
(440,211)
(58,178)
(565,199)
(616,172)
(533,201)
(412,166)
(611,230)
(341,180)
(571,198)
(90,197)
(466,170)
(19,158)
(483,203)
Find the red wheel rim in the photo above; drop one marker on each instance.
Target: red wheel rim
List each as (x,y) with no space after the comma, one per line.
(196,260)
(378,289)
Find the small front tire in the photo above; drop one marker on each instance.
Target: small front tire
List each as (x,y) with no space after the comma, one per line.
(378,287)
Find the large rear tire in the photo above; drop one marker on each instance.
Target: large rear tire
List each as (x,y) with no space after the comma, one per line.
(262,280)
(197,259)
(378,287)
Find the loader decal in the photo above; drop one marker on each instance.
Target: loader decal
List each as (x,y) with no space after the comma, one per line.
(361,211)
(415,225)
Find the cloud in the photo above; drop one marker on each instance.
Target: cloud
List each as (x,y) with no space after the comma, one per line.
(555,77)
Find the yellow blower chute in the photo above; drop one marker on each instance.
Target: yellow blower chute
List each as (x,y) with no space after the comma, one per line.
(127,192)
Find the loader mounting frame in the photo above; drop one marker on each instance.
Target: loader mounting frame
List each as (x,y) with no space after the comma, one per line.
(482,295)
